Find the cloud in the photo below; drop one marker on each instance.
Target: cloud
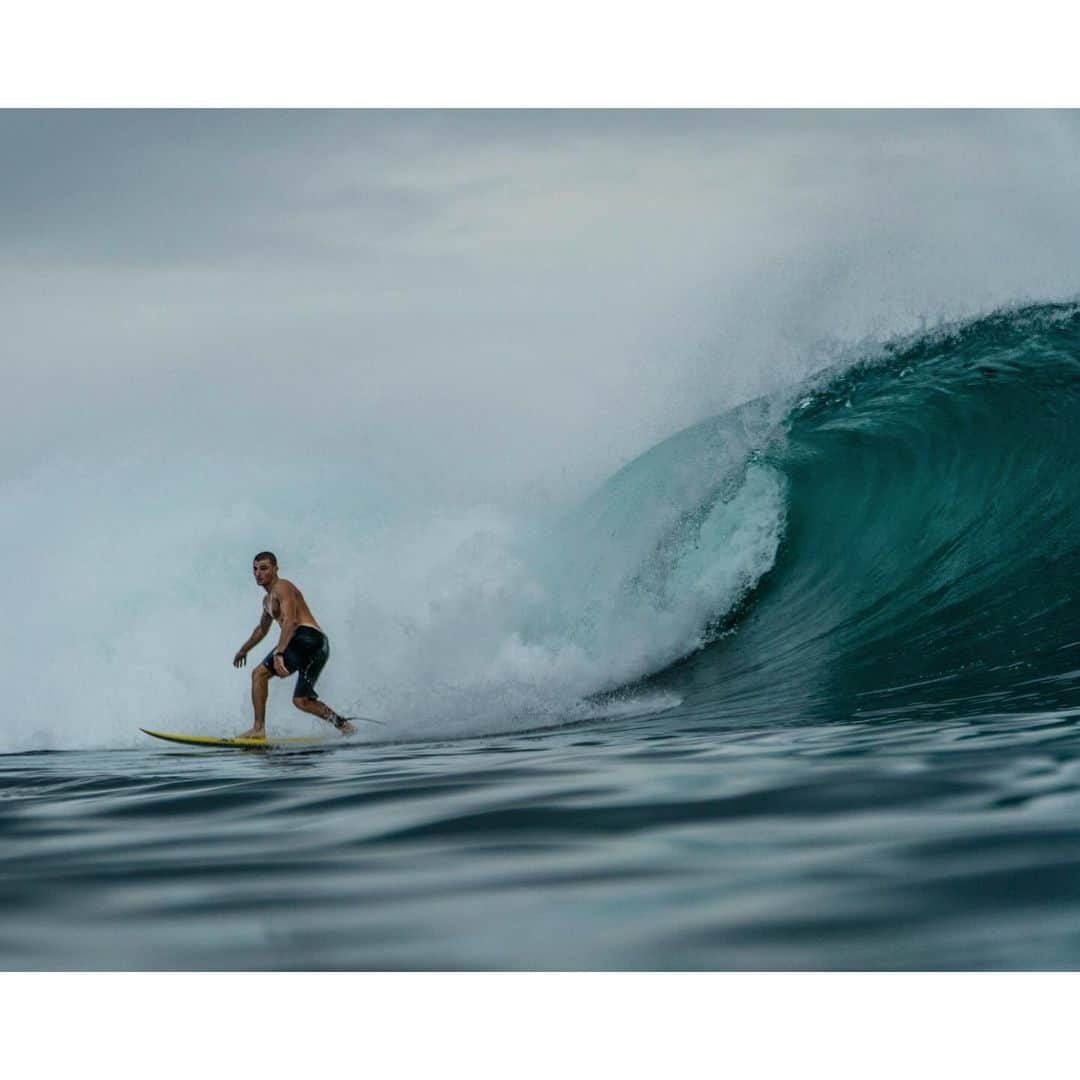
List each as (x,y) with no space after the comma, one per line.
(486,301)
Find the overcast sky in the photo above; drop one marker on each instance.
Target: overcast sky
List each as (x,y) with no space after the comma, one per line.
(482,303)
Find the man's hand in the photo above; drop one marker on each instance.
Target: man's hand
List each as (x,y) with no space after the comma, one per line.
(279,666)
(240,659)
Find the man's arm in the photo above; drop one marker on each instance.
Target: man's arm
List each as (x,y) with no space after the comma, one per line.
(257,635)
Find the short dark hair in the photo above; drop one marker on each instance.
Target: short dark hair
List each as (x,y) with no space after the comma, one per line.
(265,555)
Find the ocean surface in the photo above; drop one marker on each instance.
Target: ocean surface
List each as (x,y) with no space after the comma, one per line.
(798,688)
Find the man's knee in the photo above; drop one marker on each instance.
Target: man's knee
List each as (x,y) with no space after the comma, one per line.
(260,674)
(302,703)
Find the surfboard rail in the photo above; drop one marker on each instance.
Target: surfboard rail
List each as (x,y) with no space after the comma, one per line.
(237,743)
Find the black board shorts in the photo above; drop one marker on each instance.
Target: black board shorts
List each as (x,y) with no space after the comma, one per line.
(307,653)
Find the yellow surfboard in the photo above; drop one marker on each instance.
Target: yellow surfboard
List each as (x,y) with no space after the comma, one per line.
(242,744)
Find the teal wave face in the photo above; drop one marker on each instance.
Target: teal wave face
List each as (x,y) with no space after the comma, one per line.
(931,550)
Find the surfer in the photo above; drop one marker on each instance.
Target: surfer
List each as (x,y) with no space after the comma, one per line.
(302,647)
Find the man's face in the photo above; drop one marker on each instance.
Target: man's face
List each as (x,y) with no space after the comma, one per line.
(264,571)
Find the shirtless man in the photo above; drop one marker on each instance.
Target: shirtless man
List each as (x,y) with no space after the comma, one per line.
(302,647)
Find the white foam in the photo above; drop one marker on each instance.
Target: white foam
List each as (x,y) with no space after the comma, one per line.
(135,591)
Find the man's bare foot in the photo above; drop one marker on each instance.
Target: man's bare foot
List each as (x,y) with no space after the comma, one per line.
(253,733)
(343,726)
